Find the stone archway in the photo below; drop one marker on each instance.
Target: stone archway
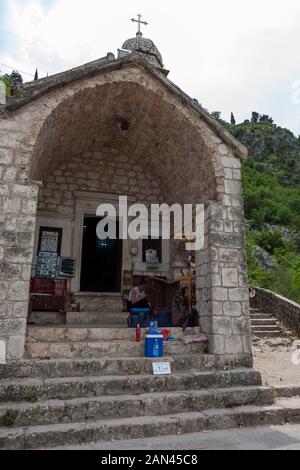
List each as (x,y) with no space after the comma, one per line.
(143,119)
(160,135)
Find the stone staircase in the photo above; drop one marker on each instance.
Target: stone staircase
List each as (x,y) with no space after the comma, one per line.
(93,384)
(105,319)
(264,325)
(69,402)
(84,341)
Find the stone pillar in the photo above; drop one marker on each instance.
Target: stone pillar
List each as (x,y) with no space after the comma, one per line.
(222,285)
(18,202)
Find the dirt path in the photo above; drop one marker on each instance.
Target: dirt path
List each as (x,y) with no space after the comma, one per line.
(273,359)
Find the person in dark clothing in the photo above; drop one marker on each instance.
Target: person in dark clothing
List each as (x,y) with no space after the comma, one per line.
(137,297)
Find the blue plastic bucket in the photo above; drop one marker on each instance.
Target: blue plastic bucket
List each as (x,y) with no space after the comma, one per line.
(154,344)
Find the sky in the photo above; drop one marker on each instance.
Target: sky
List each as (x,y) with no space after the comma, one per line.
(232,56)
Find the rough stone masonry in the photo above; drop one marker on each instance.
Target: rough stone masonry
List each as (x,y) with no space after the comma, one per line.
(63,133)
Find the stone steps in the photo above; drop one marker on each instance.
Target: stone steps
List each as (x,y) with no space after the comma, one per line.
(264,325)
(94,384)
(100,318)
(87,342)
(57,368)
(264,322)
(265,328)
(89,349)
(267,334)
(261,316)
(99,406)
(16,390)
(84,432)
(125,406)
(100,303)
(86,333)
(287,391)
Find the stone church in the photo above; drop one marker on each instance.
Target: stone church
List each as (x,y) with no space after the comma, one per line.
(80,138)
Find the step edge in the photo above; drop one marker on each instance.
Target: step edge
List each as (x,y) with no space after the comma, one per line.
(19,381)
(144,396)
(118,422)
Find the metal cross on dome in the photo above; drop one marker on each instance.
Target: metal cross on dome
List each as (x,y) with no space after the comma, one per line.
(139,23)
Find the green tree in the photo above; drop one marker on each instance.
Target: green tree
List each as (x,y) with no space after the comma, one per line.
(6,79)
(271,179)
(254,116)
(216,115)
(269,240)
(16,78)
(265,118)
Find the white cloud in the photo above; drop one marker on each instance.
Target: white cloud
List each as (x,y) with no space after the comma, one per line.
(231,56)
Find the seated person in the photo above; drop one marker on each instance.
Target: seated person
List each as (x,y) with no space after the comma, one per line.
(137,296)
(192,316)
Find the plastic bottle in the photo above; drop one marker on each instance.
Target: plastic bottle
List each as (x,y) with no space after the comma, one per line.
(156,348)
(138,334)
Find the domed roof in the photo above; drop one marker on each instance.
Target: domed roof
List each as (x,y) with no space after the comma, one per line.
(146,47)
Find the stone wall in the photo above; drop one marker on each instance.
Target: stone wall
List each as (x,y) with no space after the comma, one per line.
(287,311)
(17,227)
(222,283)
(105,171)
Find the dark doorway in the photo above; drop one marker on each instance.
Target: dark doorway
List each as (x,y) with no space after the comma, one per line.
(101,261)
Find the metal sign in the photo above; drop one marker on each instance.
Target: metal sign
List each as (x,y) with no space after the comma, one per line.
(67,267)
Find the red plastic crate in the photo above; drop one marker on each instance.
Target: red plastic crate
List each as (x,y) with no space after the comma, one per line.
(47,294)
(48,286)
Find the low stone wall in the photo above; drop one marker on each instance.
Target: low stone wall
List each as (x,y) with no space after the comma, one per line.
(285,310)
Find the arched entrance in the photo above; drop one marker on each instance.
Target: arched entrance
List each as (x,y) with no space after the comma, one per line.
(128,131)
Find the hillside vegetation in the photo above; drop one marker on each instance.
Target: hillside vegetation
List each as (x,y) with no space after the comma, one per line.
(271,178)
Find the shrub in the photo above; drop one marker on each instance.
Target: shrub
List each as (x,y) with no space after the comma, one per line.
(269,240)
(31,397)
(9,418)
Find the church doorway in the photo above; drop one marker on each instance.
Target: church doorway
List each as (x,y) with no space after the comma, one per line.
(101,260)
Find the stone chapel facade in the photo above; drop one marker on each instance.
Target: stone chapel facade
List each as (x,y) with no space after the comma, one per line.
(119,126)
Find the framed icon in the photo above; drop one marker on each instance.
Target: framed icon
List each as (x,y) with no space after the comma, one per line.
(50,240)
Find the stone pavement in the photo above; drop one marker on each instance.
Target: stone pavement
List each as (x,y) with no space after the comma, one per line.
(286,437)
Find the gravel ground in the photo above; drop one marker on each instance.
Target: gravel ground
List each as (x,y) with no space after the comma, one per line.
(273,358)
